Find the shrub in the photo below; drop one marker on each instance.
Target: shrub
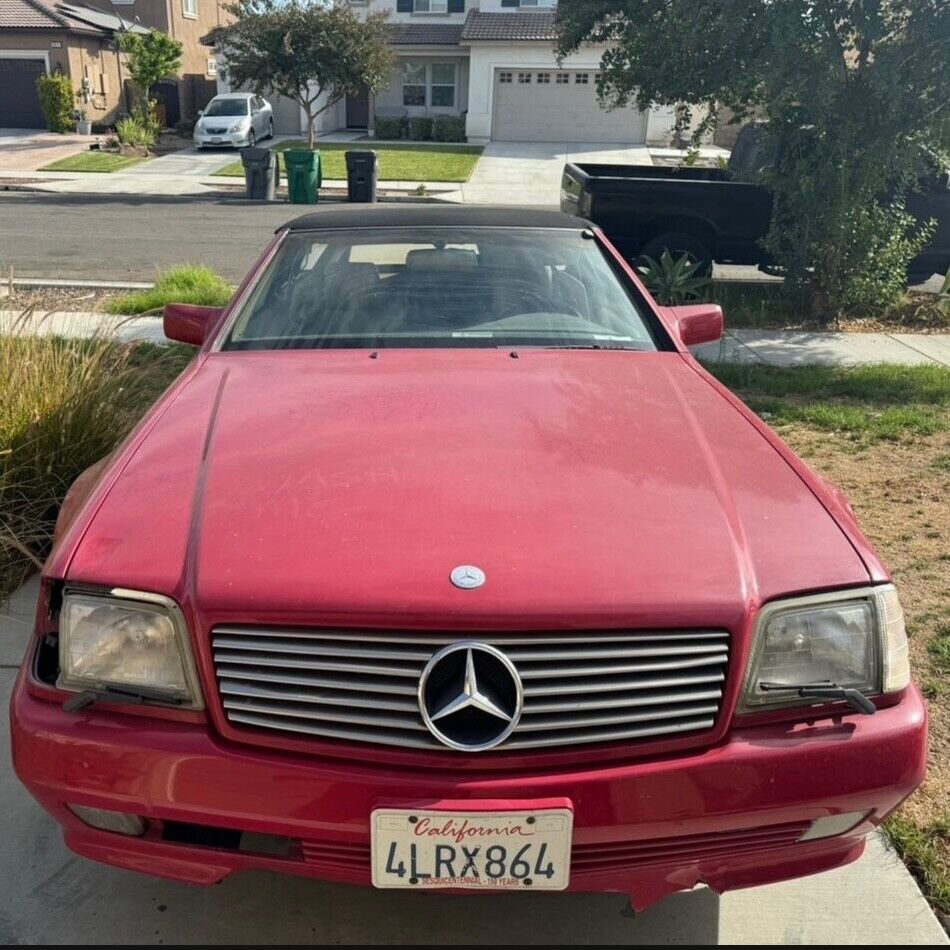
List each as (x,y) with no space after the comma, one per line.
(448,128)
(132,130)
(390,127)
(57,102)
(420,128)
(673,281)
(64,404)
(185,284)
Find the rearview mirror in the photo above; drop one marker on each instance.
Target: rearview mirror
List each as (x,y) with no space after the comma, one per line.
(698,323)
(189,323)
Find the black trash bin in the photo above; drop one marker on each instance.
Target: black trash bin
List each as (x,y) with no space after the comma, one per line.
(362,175)
(261,173)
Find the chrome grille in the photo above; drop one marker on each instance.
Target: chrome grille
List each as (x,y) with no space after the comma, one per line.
(362,685)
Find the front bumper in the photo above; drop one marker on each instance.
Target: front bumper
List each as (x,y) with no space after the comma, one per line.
(228,139)
(728,816)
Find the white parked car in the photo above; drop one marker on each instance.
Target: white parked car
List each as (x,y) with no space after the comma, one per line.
(238,119)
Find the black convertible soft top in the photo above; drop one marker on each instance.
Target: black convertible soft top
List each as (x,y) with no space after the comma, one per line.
(431,215)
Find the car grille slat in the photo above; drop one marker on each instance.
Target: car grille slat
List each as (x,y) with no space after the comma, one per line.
(579,688)
(335,698)
(264,675)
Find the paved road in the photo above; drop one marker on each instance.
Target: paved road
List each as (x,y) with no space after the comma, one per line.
(51,896)
(126,237)
(129,238)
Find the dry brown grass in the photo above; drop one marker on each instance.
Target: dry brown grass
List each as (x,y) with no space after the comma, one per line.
(901,493)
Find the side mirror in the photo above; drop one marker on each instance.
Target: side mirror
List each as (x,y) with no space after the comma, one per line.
(201,112)
(698,323)
(189,323)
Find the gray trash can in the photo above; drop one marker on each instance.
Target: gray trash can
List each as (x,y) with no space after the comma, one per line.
(362,175)
(261,173)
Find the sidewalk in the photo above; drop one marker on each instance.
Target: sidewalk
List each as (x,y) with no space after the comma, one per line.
(52,897)
(797,348)
(771,347)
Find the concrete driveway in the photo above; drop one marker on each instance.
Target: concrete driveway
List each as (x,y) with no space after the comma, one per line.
(26,150)
(51,896)
(520,173)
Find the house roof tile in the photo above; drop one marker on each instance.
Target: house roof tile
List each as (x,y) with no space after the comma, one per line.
(53,15)
(520,25)
(425,34)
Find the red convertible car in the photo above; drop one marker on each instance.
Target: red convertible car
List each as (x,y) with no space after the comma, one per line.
(445,565)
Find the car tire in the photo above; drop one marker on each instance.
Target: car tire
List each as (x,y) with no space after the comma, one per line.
(270,128)
(678,243)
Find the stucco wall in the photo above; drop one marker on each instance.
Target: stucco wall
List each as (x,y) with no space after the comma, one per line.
(90,58)
(389,6)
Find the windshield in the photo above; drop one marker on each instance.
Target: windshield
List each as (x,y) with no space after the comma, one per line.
(226,107)
(445,287)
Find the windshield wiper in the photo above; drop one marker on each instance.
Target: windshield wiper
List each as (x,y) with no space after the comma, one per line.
(825,689)
(116,694)
(592,346)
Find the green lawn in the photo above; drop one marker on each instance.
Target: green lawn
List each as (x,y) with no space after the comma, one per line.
(414,161)
(879,402)
(92,162)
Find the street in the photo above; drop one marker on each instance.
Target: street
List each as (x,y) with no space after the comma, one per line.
(130,238)
(125,237)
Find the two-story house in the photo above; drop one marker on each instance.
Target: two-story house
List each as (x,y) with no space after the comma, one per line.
(493,62)
(79,40)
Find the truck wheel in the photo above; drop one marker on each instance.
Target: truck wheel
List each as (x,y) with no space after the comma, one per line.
(678,244)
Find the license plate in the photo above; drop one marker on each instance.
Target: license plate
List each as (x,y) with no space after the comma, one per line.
(496,850)
(215,140)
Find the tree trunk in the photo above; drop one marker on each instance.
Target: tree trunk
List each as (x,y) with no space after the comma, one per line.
(311,118)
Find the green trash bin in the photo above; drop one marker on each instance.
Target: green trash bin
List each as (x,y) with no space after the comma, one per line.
(304,175)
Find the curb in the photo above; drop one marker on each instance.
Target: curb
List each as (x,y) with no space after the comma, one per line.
(54,282)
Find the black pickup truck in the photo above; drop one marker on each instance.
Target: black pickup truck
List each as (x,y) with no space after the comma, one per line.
(714,214)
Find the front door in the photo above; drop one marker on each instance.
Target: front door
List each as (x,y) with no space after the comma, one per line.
(357,110)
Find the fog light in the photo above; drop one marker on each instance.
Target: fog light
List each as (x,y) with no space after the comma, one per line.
(105,820)
(833,825)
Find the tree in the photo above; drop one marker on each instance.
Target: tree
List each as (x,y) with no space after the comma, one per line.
(306,51)
(152,57)
(855,96)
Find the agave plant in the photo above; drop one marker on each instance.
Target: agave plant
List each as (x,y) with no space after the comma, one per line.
(673,280)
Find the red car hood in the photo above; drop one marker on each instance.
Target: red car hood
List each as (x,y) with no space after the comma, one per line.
(593,488)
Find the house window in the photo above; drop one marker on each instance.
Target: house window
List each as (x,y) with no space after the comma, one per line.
(443,85)
(538,3)
(504,77)
(544,79)
(581,78)
(562,78)
(414,86)
(190,9)
(430,6)
(212,66)
(524,77)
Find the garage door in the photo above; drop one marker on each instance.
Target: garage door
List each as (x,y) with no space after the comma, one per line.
(19,100)
(559,105)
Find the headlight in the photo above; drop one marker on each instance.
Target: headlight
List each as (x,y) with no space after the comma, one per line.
(853,639)
(239,126)
(127,641)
